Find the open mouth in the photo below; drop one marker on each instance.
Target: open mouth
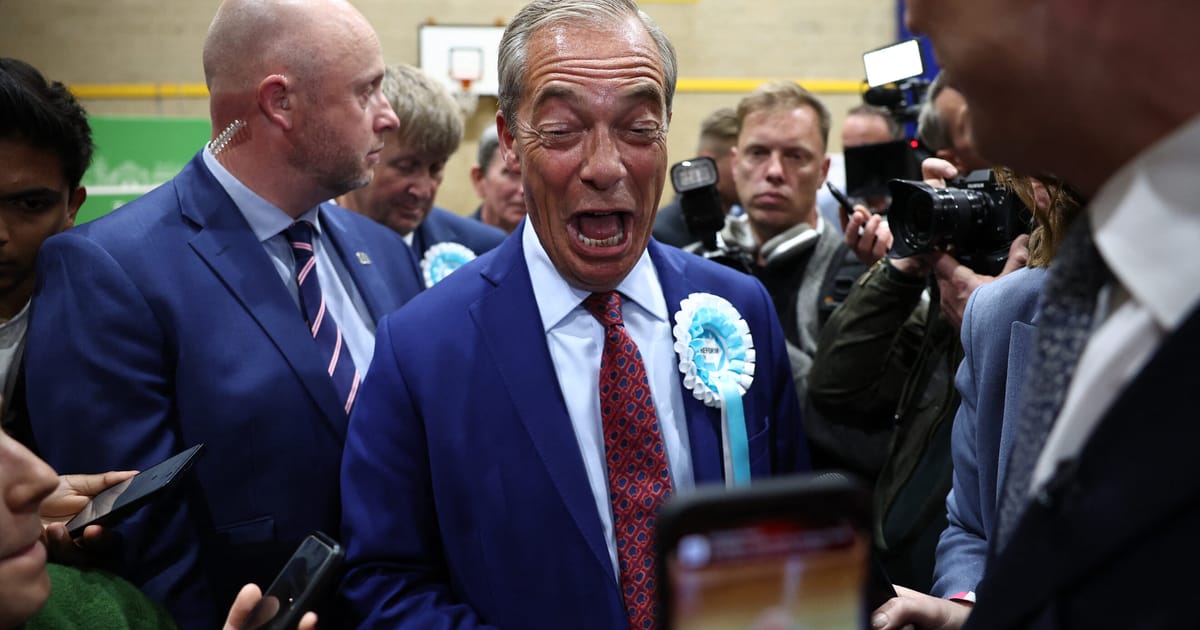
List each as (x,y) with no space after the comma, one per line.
(601,229)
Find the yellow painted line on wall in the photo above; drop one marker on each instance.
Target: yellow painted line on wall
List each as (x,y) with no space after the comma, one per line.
(156,91)
(741,86)
(138,91)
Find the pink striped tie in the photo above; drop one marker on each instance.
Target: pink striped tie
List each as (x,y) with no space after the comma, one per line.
(325,330)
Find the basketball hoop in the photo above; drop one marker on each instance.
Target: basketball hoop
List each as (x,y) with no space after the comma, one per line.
(465,67)
(466,99)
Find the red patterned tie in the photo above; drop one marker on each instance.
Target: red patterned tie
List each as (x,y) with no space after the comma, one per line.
(638,478)
(325,330)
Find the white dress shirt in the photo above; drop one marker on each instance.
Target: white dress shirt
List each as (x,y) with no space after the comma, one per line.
(576,341)
(1147,228)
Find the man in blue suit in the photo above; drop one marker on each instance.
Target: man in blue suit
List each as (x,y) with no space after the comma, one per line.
(478,479)
(1105,513)
(181,317)
(413,164)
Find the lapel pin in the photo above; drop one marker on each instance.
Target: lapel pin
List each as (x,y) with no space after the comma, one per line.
(363,258)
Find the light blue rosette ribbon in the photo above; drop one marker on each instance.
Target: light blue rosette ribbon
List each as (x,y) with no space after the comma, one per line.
(442,259)
(716,357)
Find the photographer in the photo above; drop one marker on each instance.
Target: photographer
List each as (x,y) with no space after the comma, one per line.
(779,164)
(718,135)
(885,365)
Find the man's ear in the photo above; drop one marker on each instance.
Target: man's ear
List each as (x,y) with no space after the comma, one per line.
(73,204)
(508,151)
(275,99)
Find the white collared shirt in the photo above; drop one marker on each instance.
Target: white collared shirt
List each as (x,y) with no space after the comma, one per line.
(576,341)
(1147,228)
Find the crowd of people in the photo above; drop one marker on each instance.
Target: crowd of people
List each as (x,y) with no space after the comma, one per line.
(492,446)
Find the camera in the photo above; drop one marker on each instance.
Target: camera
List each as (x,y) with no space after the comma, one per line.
(894,79)
(695,181)
(974,217)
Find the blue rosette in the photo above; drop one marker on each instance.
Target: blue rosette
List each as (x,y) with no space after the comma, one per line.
(716,357)
(443,258)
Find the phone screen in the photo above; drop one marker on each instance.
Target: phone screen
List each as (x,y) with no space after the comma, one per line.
(122,499)
(787,553)
(769,574)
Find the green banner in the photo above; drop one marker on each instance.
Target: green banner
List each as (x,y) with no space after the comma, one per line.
(135,155)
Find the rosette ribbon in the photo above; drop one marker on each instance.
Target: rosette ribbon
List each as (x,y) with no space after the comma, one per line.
(716,357)
(442,259)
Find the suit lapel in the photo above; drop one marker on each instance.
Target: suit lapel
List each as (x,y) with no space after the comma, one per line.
(227,245)
(353,251)
(510,326)
(1020,342)
(1100,509)
(703,422)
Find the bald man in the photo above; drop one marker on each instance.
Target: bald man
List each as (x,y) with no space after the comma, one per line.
(180,318)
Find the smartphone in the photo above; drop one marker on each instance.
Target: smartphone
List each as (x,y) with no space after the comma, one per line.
(300,586)
(118,502)
(893,63)
(793,552)
(841,197)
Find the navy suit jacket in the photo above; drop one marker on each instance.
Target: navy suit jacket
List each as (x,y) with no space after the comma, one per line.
(165,324)
(671,227)
(1113,544)
(443,226)
(997,338)
(465,499)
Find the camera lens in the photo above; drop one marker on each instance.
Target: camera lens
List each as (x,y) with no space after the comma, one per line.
(921,212)
(973,216)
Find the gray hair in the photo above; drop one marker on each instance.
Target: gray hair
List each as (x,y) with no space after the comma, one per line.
(430,120)
(489,141)
(931,128)
(541,13)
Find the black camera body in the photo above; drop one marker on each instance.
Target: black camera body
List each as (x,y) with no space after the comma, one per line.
(695,181)
(974,218)
(902,100)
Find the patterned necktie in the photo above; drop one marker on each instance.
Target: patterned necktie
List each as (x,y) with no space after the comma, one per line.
(320,321)
(1065,323)
(638,479)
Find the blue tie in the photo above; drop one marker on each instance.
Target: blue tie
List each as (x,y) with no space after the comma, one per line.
(1064,325)
(324,328)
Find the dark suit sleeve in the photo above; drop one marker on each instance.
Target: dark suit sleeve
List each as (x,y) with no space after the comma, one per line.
(99,373)
(396,576)
(773,365)
(962,549)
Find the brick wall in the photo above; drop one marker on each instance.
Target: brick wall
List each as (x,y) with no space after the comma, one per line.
(159,41)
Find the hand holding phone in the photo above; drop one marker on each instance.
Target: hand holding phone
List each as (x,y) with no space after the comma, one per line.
(299,587)
(118,502)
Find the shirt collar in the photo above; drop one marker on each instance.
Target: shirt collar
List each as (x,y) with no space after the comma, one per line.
(265,219)
(1146,227)
(556,298)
